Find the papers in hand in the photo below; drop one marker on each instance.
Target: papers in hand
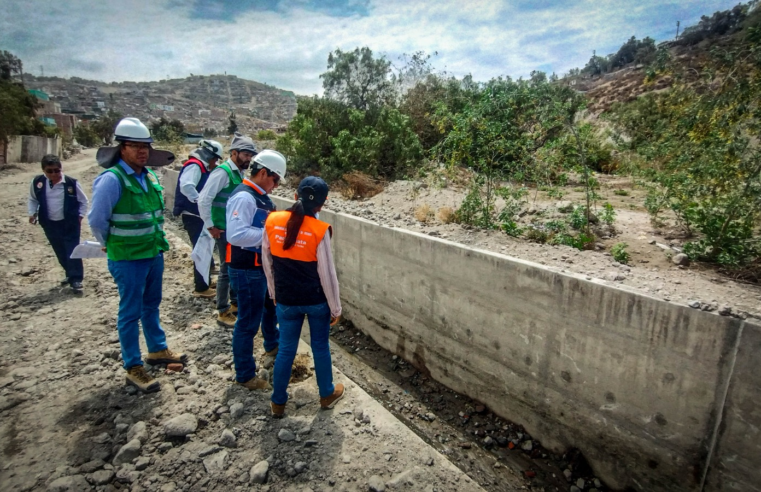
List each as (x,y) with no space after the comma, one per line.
(88,249)
(202,254)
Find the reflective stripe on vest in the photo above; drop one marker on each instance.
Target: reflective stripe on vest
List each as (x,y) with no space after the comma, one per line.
(219,204)
(137,223)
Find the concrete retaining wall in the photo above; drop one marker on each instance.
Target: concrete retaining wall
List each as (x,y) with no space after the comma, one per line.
(659,397)
(25,148)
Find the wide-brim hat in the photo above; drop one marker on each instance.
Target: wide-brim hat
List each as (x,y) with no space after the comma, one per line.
(109,156)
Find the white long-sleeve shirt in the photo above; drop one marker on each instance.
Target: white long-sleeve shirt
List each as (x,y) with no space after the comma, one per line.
(54,199)
(217,181)
(188,182)
(325,269)
(241,208)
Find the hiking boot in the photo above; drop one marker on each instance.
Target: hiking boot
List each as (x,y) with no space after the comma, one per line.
(165,357)
(213,284)
(330,401)
(277,410)
(234,309)
(226,319)
(257,384)
(140,379)
(207,294)
(269,358)
(77,287)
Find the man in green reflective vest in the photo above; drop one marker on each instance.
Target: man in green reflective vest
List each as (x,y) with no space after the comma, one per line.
(127,216)
(212,203)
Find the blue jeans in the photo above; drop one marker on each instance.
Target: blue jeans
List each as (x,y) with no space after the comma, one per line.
(291,318)
(139,283)
(64,237)
(251,286)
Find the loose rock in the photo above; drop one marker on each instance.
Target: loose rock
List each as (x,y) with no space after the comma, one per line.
(181,426)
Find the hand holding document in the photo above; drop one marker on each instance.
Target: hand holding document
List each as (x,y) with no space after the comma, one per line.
(88,249)
(202,254)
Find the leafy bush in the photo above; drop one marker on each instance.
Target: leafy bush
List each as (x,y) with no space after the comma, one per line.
(608,214)
(536,235)
(619,253)
(266,135)
(86,136)
(580,241)
(578,218)
(620,192)
(168,131)
(512,228)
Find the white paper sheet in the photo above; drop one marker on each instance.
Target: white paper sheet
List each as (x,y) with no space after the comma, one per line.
(89,249)
(202,254)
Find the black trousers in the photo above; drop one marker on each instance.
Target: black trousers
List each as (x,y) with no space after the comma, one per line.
(194,226)
(64,238)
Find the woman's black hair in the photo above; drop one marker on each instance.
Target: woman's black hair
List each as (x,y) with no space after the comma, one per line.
(298,212)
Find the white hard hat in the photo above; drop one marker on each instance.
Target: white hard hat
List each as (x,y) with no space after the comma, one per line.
(132,130)
(212,146)
(272,160)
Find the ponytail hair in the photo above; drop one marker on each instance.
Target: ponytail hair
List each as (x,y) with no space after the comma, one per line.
(294,224)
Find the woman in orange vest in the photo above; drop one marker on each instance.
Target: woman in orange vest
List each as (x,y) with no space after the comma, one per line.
(302,281)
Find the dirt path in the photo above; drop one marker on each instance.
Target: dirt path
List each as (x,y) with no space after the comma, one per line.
(67,422)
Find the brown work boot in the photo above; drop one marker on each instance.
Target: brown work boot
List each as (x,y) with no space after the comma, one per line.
(269,358)
(226,319)
(256,384)
(234,309)
(277,410)
(165,357)
(140,379)
(206,294)
(330,401)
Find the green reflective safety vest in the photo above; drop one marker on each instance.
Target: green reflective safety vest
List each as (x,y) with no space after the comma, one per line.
(137,222)
(219,204)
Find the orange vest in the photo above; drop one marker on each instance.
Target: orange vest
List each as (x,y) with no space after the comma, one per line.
(297,282)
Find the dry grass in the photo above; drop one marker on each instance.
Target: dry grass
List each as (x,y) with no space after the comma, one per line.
(446,215)
(360,185)
(424,213)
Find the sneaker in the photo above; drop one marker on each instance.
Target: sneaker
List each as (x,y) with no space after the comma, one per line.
(257,384)
(269,358)
(77,287)
(277,410)
(207,294)
(226,319)
(330,401)
(140,379)
(165,357)
(234,309)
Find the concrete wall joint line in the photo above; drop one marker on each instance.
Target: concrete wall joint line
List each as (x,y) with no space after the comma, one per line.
(721,407)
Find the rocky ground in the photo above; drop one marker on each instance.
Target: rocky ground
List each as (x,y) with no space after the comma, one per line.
(68,422)
(651,270)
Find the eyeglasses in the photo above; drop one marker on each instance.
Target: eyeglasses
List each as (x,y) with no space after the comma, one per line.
(275,175)
(52,171)
(138,146)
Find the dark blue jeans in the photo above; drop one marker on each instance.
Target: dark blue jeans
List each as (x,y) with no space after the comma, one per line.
(139,283)
(64,238)
(251,287)
(291,318)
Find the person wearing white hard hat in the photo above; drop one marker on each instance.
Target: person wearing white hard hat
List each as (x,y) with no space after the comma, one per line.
(212,203)
(247,210)
(127,216)
(193,176)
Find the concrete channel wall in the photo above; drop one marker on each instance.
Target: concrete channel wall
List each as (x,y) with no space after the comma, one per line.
(659,397)
(26,148)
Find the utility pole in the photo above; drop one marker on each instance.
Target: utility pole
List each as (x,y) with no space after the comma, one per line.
(677,30)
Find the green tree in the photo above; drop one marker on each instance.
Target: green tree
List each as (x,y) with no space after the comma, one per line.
(233,126)
(86,136)
(17,112)
(358,79)
(169,131)
(105,126)
(10,65)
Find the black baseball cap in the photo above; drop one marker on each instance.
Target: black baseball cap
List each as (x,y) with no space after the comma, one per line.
(313,191)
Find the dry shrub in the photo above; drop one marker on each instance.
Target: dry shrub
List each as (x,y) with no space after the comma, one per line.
(446,214)
(424,213)
(360,185)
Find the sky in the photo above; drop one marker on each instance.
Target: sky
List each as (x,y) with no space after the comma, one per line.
(286,43)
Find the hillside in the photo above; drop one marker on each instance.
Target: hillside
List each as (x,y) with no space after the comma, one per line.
(198,101)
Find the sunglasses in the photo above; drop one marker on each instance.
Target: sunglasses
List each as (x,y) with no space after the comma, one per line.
(52,171)
(138,146)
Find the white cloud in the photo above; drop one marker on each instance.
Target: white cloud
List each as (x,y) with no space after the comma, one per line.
(136,40)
